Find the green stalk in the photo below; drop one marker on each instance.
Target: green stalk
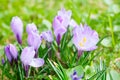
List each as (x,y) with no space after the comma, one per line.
(112,33)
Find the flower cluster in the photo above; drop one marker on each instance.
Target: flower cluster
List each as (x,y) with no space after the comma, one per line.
(83,37)
(29,55)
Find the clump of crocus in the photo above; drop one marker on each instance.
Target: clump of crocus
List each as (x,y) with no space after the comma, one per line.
(28,59)
(74,76)
(47,36)
(60,23)
(17,28)
(11,52)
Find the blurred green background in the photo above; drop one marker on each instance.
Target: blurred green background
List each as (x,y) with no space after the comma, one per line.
(102,15)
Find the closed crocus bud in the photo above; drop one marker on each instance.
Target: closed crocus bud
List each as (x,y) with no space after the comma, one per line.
(61,22)
(17,28)
(84,38)
(47,36)
(27,58)
(31,28)
(34,40)
(11,52)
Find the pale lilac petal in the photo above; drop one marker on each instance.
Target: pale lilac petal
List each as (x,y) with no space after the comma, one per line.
(76,42)
(57,22)
(13,51)
(27,55)
(7,52)
(60,31)
(34,40)
(47,35)
(17,28)
(31,27)
(37,62)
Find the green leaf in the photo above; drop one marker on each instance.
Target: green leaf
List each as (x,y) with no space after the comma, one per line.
(107,42)
(114,74)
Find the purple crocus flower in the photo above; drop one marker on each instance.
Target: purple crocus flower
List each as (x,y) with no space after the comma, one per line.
(47,36)
(34,40)
(11,52)
(31,28)
(84,38)
(17,28)
(60,23)
(74,76)
(27,58)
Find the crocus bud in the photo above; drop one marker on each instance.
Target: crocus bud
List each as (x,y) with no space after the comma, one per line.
(31,28)
(27,57)
(17,28)
(11,52)
(47,36)
(61,22)
(84,38)
(34,40)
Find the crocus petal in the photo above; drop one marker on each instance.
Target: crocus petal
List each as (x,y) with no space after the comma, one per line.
(13,51)
(37,62)
(31,27)
(60,31)
(34,40)
(17,28)
(27,55)
(65,16)
(7,52)
(47,35)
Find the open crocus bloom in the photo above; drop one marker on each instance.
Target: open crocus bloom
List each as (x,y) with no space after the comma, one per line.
(27,58)
(17,28)
(31,28)
(74,76)
(61,22)
(34,40)
(47,35)
(11,52)
(84,38)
